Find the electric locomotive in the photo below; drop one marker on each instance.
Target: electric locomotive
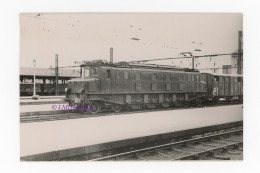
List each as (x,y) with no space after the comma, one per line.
(137,86)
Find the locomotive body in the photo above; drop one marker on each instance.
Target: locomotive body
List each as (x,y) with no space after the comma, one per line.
(139,86)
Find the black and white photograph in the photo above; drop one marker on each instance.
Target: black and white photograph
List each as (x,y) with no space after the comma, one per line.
(131,86)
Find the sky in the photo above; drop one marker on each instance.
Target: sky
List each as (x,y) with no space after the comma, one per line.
(133,36)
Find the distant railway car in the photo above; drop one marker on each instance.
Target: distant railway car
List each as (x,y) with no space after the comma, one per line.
(228,87)
(49,89)
(26,89)
(136,86)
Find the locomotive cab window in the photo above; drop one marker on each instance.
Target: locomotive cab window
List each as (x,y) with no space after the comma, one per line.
(216,78)
(94,72)
(108,74)
(88,72)
(85,72)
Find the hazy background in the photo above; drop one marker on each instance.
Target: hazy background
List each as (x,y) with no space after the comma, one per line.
(88,36)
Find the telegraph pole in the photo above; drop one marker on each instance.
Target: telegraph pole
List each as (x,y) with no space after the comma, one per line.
(34,81)
(56,75)
(239,56)
(192,62)
(111,55)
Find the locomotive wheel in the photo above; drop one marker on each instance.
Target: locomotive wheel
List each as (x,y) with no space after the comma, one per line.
(165,105)
(198,102)
(228,100)
(216,101)
(151,106)
(94,108)
(186,104)
(117,107)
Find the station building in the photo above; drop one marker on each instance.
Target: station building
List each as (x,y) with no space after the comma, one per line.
(45,80)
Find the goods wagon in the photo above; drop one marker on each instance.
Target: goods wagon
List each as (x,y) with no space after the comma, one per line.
(228,87)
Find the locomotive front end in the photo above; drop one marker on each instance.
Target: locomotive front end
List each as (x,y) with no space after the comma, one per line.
(77,90)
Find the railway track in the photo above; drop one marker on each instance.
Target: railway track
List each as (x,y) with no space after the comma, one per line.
(76,115)
(221,146)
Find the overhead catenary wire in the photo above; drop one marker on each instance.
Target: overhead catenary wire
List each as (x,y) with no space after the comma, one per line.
(65,67)
(142,61)
(186,57)
(213,68)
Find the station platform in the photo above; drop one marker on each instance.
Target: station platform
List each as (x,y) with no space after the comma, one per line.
(41,97)
(43,109)
(42,100)
(68,137)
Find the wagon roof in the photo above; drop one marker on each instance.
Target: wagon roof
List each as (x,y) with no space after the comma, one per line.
(231,75)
